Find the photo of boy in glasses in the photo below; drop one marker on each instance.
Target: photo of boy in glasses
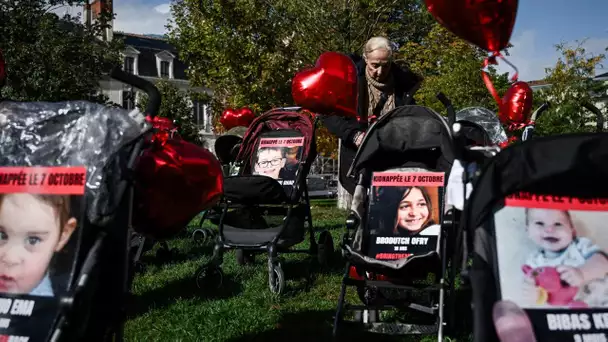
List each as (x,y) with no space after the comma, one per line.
(279,158)
(271,162)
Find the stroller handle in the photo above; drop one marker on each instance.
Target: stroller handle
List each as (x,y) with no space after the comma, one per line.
(537,113)
(599,117)
(138,82)
(448,106)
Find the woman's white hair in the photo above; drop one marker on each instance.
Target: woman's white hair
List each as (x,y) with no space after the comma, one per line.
(378,43)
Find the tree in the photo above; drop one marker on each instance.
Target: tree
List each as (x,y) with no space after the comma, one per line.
(52,58)
(175,106)
(572,84)
(248,51)
(452,66)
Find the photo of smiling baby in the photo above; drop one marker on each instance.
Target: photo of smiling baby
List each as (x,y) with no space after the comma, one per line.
(553,257)
(34,229)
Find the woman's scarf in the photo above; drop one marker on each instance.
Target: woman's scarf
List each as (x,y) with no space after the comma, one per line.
(375,90)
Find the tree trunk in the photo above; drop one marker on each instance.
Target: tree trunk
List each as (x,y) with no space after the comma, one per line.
(344,198)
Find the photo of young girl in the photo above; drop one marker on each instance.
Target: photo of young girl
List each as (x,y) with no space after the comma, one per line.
(405,211)
(33,229)
(556,258)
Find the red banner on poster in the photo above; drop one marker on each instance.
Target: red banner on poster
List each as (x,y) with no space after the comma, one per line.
(43,180)
(408,179)
(528,200)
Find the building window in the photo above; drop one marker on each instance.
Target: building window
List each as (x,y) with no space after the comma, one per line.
(128,100)
(164,69)
(130,65)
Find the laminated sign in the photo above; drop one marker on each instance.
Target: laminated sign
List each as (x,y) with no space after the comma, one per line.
(552,261)
(279,158)
(40,219)
(405,214)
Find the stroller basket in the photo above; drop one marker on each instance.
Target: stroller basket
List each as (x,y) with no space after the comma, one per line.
(72,160)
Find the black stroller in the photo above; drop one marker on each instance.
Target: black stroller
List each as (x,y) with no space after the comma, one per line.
(410,147)
(533,208)
(77,157)
(226,148)
(266,206)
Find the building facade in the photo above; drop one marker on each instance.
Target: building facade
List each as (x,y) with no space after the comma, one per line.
(153,59)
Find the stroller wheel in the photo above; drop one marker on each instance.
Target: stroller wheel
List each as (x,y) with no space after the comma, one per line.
(243,257)
(325,249)
(209,277)
(277,285)
(199,235)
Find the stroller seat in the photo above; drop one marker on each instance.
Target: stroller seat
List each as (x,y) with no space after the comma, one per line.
(255,189)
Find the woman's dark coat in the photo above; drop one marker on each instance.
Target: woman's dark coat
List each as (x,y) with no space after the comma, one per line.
(345,128)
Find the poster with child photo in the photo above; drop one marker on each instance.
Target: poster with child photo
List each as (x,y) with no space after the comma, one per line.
(404,214)
(40,214)
(279,158)
(552,261)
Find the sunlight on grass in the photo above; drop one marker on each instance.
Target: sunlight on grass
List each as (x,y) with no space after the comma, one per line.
(168,306)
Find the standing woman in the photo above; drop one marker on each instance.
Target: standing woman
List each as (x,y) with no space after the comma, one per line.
(382,86)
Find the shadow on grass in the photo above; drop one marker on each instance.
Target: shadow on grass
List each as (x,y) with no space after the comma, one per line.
(306,272)
(312,326)
(181,289)
(318,228)
(178,256)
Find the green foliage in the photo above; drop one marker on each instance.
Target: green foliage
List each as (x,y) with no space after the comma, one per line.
(248,51)
(52,58)
(175,106)
(452,66)
(572,84)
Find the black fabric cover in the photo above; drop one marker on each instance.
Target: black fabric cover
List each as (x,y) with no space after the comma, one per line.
(224,147)
(408,136)
(253,190)
(474,134)
(569,165)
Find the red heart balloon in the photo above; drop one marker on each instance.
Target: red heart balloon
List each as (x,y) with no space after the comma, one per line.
(485,23)
(329,88)
(173,184)
(236,117)
(517,104)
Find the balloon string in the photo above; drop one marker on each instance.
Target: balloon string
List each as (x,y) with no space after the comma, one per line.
(491,60)
(486,78)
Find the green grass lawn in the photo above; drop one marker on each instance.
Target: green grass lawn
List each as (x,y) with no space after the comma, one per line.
(169,307)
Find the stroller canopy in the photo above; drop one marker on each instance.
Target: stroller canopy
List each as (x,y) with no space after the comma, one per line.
(278,119)
(225,144)
(408,136)
(573,165)
(485,120)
